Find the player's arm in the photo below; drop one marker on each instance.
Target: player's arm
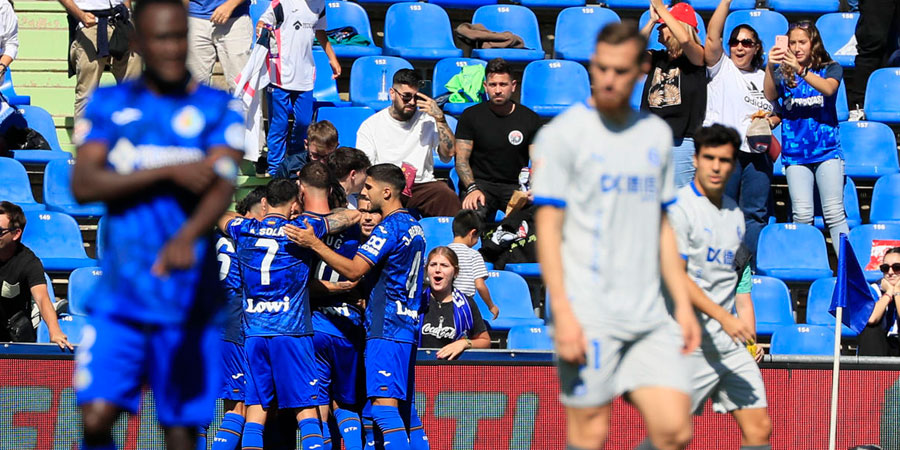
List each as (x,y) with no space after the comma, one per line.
(735,327)
(324,288)
(341,219)
(226,218)
(678,284)
(41,297)
(743,301)
(352,269)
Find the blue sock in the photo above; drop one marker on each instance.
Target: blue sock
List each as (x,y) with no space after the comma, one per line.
(326,435)
(108,446)
(311,434)
(253,436)
(351,428)
(417,438)
(392,427)
(370,435)
(229,435)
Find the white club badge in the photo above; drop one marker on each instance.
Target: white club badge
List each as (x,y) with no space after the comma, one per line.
(188,122)
(515,137)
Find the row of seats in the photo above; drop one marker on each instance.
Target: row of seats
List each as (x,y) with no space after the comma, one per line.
(81,282)
(57,189)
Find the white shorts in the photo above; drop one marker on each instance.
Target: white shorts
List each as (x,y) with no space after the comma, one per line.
(731,379)
(620,361)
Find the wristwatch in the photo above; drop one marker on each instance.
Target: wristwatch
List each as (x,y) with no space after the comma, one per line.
(468,343)
(803,72)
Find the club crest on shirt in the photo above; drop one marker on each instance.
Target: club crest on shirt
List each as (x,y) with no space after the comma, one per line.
(188,122)
(653,157)
(515,137)
(80,131)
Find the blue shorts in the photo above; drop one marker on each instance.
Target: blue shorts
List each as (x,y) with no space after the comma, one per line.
(180,364)
(282,366)
(337,362)
(390,369)
(234,372)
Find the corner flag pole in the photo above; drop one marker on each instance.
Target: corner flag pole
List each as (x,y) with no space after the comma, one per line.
(835,376)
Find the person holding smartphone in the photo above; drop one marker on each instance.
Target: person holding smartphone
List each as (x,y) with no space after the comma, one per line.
(874,339)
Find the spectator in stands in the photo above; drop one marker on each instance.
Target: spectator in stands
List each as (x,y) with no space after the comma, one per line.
(218,29)
(293,78)
(406,133)
(734,97)
(675,89)
(21,280)
(471,273)
(879,20)
(321,140)
(492,143)
(99,35)
(453,323)
(349,165)
(873,340)
(806,82)
(9,36)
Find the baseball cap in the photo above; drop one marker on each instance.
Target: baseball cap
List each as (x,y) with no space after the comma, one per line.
(684,13)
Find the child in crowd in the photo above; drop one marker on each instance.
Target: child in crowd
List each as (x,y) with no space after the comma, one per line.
(467,226)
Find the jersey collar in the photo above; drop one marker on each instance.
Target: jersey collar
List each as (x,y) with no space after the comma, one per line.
(694,187)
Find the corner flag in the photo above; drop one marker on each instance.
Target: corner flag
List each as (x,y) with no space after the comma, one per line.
(851,291)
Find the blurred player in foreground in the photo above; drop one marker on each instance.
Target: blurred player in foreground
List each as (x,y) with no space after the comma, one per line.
(603,177)
(162,153)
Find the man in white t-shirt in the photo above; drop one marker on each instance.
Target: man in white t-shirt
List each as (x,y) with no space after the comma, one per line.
(408,131)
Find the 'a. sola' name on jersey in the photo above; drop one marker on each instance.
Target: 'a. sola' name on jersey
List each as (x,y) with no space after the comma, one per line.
(263,230)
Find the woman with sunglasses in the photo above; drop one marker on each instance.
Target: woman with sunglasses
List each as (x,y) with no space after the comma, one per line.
(873,341)
(805,79)
(734,97)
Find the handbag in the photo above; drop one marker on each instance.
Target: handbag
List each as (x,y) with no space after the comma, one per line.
(20,328)
(123,30)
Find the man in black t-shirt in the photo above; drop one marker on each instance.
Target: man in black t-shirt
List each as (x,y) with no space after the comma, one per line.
(492,143)
(22,278)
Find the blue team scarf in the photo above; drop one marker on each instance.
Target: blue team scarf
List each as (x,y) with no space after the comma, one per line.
(463,320)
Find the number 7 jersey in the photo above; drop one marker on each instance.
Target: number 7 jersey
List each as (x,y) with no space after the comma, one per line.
(396,251)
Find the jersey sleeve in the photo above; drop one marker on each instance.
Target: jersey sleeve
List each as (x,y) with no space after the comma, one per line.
(319,225)
(746,284)
(679,222)
(378,246)
(229,129)
(268,16)
(667,189)
(233,229)
(95,125)
(322,23)
(552,167)
(834,71)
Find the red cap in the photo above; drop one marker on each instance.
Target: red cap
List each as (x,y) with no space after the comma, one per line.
(684,13)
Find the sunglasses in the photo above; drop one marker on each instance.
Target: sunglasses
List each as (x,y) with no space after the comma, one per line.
(3,231)
(804,24)
(885,268)
(406,97)
(746,43)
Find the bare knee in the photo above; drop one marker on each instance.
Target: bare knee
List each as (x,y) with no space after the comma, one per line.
(98,419)
(757,432)
(588,428)
(672,435)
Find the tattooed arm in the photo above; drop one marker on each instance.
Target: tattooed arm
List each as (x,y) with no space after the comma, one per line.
(340,219)
(474,197)
(446,141)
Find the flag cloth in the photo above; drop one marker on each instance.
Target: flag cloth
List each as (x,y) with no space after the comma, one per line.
(851,291)
(249,90)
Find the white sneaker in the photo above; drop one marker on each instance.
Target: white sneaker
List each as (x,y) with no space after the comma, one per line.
(857,115)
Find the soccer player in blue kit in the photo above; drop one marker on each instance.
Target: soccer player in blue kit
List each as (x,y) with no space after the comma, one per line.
(394,254)
(161,152)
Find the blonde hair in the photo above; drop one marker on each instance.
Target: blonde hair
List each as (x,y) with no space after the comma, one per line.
(677,50)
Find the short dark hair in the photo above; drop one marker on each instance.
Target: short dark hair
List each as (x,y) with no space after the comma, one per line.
(389,174)
(14,213)
(250,200)
(892,250)
(345,159)
(143,5)
(316,174)
(408,77)
(618,33)
(716,135)
(322,132)
(497,65)
(465,221)
(280,191)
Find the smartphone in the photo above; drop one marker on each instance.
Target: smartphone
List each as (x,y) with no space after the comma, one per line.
(781,41)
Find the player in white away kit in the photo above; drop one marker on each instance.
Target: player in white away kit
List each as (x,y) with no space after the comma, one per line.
(709,227)
(603,176)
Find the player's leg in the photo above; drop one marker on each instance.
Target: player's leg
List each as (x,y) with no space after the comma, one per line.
(416,429)
(349,425)
(234,386)
(387,382)
(345,391)
(324,355)
(743,393)
(666,414)
(260,393)
(373,437)
(295,384)
(587,428)
(756,427)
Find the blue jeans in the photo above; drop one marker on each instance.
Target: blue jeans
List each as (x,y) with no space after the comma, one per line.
(281,141)
(683,159)
(829,177)
(749,186)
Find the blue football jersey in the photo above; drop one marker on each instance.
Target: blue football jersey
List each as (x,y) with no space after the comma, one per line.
(396,251)
(334,314)
(144,130)
(275,272)
(230,276)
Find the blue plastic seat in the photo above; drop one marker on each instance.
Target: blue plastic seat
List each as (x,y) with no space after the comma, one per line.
(803,339)
(454,180)
(257,8)
(71,325)
(510,293)
(840,103)
(529,338)
(371,78)
(882,93)
(837,30)
(870,149)
(8,90)
(81,285)
(817,303)
(653,41)
(514,18)
(15,187)
(325,91)
(56,239)
(403,32)
(637,93)
(861,239)
(444,70)
(346,120)
(805,6)
(570,81)
(767,24)
(851,206)
(438,231)
(101,229)
(886,200)
(577,29)
(58,191)
(41,121)
(527,270)
(772,304)
(792,252)
(341,14)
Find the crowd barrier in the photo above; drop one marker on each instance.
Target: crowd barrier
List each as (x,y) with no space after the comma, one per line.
(495,399)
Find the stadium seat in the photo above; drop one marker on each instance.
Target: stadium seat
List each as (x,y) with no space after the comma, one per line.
(371,78)
(882,93)
(41,121)
(861,239)
(325,90)
(70,324)
(870,149)
(792,252)
(404,36)
(438,231)
(15,187)
(570,85)
(101,228)
(886,200)
(767,23)
(349,14)
(58,191)
(576,31)
(529,338)
(772,304)
(653,41)
(55,238)
(851,206)
(817,303)
(527,270)
(81,283)
(454,180)
(516,19)
(803,339)
(346,120)
(444,70)
(637,93)
(843,112)
(510,293)
(838,30)
(257,8)
(8,89)
(805,6)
